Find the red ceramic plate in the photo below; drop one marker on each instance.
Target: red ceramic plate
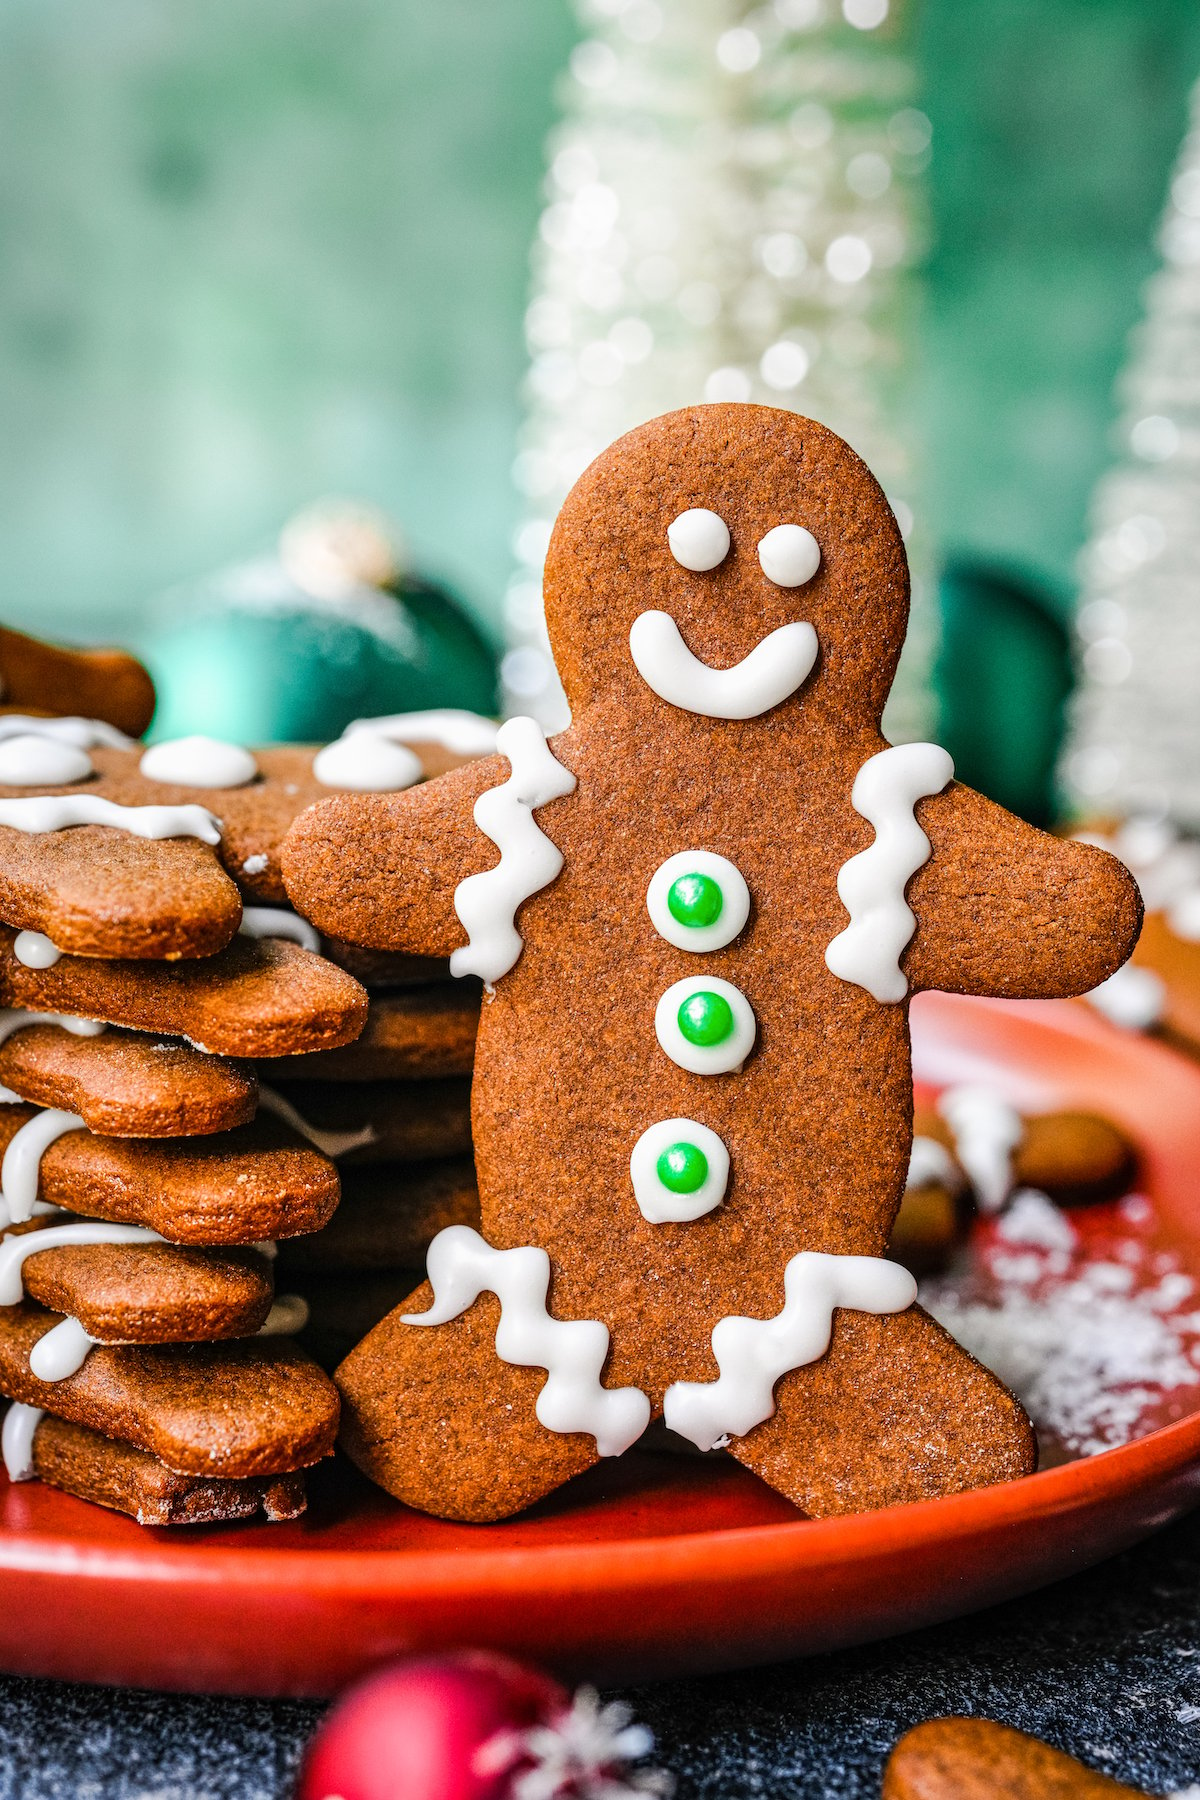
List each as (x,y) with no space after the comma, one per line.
(652,1565)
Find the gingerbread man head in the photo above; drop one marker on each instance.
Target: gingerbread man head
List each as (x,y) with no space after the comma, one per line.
(739,521)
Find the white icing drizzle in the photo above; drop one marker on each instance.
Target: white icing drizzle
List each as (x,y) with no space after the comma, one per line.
(288,1314)
(57,812)
(85,734)
(871,885)
(61,1352)
(572,1351)
(659,1203)
(365,762)
(705,1059)
(279,922)
(329,1143)
(487,904)
(14,1250)
(460,732)
(986,1132)
(37,761)
(198,761)
(34,950)
(698,539)
(931,1165)
(773,670)
(16,1439)
(1134,998)
(735,900)
(22,1163)
(13,1019)
(753,1354)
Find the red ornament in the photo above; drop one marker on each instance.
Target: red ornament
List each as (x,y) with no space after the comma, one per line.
(474,1726)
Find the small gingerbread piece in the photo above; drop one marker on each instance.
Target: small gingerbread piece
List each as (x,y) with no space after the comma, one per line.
(51,678)
(135,853)
(239,1187)
(974,1759)
(124,1084)
(148,1293)
(412,1035)
(257,1407)
(127,1480)
(258,997)
(702,910)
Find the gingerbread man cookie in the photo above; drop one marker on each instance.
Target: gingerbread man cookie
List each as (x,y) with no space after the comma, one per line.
(700,913)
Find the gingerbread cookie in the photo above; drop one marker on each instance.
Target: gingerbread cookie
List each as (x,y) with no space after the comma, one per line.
(974,1759)
(51,679)
(127,1480)
(121,1083)
(238,1187)
(702,910)
(257,1407)
(387,1219)
(259,997)
(131,853)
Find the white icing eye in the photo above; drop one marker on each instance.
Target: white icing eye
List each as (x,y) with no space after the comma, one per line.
(705,1025)
(364,763)
(680,1171)
(698,900)
(789,555)
(32,761)
(699,539)
(203,762)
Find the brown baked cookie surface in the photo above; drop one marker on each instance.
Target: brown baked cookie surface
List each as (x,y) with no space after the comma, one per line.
(847,875)
(238,1187)
(258,997)
(149,1293)
(123,1084)
(128,1480)
(256,1407)
(95,684)
(411,1035)
(974,1759)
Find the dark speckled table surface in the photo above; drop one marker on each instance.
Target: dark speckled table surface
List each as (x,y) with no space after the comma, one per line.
(1105,1664)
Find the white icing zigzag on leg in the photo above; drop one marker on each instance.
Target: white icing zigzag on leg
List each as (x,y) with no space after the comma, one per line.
(487,904)
(753,1354)
(871,885)
(461,1266)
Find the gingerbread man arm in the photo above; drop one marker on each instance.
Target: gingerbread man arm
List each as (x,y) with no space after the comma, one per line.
(381,869)
(1004,909)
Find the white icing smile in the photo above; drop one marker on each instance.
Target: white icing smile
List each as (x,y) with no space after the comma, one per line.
(770,674)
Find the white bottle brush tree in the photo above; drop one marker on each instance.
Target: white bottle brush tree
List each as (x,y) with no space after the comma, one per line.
(732,214)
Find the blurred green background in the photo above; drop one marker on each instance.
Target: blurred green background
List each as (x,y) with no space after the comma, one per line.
(257,250)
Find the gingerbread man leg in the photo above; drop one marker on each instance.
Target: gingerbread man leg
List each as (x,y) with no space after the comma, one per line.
(894,1411)
(433,1415)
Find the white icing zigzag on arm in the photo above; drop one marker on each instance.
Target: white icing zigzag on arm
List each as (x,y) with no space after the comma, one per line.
(753,1354)
(871,885)
(462,1266)
(487,904)
(772,672)
(56,812)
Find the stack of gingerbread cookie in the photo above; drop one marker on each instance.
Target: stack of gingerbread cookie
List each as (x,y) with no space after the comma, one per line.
(154,990)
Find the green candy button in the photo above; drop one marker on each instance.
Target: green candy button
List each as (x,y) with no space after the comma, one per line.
(705,1018)
(695,900)
(683,1168)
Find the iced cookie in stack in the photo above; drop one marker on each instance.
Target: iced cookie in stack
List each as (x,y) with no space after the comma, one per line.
(393,1108)
(146,1183)
(99,687)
